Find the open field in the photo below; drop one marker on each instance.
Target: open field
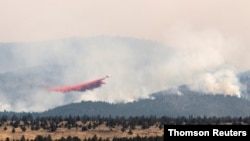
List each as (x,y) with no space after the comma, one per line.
(101,131)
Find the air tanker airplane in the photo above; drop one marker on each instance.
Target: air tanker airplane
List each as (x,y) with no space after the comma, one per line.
(80,87)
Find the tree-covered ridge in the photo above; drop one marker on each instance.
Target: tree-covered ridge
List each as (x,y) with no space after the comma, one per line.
(161,105)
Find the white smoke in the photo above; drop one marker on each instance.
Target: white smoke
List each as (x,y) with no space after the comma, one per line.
(205,59)
(137,68)
(220,82)
(200,59)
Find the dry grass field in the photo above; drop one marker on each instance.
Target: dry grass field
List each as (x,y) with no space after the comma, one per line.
(101,131)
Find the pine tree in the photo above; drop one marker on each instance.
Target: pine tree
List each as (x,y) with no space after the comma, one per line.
(22,138)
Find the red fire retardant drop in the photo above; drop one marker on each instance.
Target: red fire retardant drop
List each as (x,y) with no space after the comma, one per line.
(80,87)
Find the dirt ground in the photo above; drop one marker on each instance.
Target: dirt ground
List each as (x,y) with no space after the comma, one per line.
(100,131)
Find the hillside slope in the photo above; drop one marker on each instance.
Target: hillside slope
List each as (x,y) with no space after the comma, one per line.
(161,105)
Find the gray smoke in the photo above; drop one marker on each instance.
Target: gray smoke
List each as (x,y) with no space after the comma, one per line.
(207,59)
(199,59)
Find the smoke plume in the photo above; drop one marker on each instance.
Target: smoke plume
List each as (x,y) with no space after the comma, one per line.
(205,59)
(200,59)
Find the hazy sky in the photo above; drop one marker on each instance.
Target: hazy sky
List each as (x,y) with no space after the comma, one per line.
(32,20)
(207,44)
